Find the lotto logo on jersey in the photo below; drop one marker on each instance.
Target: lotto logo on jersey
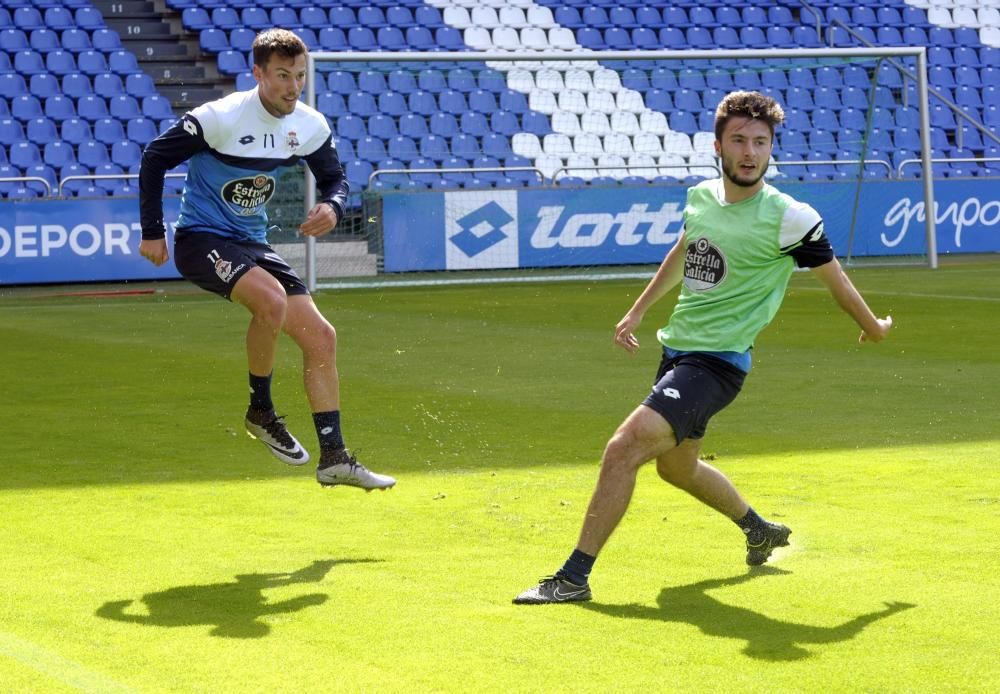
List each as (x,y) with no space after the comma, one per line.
(704,266)
(246,196)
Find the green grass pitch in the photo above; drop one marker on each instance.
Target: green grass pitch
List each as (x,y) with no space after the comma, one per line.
(149,545)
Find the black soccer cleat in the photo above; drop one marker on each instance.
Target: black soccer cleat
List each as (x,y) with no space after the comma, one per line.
(773,536)
(341,468)
(554,589)
(270,430)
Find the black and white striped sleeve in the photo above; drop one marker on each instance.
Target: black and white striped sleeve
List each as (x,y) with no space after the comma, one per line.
(803,238)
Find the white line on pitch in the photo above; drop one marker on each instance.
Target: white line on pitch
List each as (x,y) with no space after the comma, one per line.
(57,667)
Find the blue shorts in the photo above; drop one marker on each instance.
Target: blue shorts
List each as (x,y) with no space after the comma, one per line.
(690,388)
(215,263)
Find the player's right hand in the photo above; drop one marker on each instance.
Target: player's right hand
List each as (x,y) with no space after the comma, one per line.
(154,250)
(624,332)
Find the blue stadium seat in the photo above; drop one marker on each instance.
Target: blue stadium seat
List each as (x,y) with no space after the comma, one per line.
(28,18)
(536,123)
(462,145)
(683,121)
(362,104)
(29,62)
(423,103)
(26,107)
(392,104)
(482,101)
(141,130)
(390,39)
(444,124)
(402,81)
(434,147)
(60,63)
(371,16)
(41,131)
(371,149)
(75,130)
(449,39)
(44,41)
(341,82)
(474,123)
(332,39)
(431,80)
(462,80)
(108,85)
(382,126)
(58,154)
(399,16)
(24,154)
(504,123)
(138,85)
(195,19)
(453,102)
(361,39)
(428,16)
(253,17)
(44,85)
(351,127)
(91,62)
(59,18)
(213,40)
(413,125)
(108,131)
(157,107)
(89,18)
(60,107)
(106,40)
(372,81)
(403,148)
(11,131)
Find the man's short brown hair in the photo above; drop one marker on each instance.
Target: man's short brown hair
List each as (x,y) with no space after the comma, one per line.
(281,41)
(748,105)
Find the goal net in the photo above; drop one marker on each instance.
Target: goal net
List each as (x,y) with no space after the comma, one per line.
(474,166)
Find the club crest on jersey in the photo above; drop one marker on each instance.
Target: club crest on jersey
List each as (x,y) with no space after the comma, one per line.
(292,141)
(246,196)
(704,266)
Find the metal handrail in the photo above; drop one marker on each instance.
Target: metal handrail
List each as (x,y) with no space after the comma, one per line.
(378,172)
(98,177)
(946,160)
(15,179)
(627,167)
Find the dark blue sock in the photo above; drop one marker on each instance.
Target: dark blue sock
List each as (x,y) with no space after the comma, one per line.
(260,392)
(577,567)
(328,429)
(752,525)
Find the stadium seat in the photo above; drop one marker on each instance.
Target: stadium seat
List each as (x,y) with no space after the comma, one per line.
(413,125)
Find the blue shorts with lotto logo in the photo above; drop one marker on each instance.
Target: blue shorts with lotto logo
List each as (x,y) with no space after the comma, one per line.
(690,388)
(215,263)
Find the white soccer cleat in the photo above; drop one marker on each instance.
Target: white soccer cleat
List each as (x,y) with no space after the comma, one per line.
(270,430)
(341,468)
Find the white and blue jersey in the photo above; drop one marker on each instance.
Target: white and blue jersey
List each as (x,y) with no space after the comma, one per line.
(236,151)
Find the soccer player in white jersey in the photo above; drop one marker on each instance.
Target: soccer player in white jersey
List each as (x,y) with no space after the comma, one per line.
(236,148)
(742,239)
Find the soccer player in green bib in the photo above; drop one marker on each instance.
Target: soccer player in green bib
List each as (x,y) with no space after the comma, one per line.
(741,241)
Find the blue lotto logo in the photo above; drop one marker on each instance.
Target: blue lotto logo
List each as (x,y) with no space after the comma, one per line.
(481,229)
(481,235)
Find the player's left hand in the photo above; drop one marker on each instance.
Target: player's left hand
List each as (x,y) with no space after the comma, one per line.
(321,220)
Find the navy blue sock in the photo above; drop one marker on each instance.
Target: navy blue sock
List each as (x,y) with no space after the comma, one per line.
(577,567)
(752,525)
(328,429)
(260,392)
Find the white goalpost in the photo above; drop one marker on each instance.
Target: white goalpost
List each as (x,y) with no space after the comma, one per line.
(618,169)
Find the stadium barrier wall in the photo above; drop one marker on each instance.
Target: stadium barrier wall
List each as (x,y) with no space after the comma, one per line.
(79,240)
(562,227)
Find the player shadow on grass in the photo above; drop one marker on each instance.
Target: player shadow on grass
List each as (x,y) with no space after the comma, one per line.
(766,638)
(233,608)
